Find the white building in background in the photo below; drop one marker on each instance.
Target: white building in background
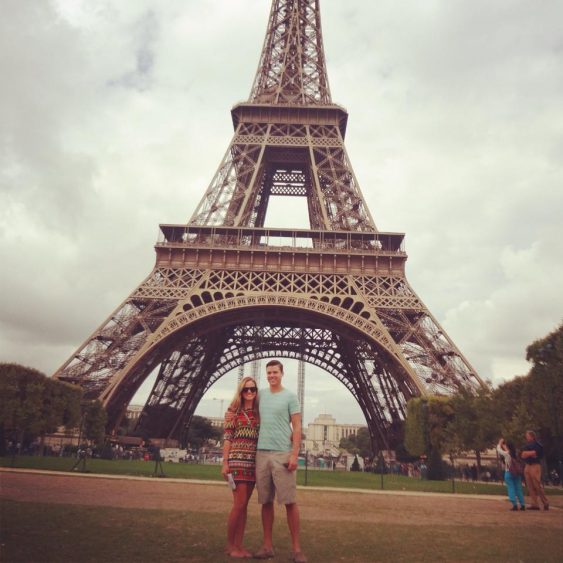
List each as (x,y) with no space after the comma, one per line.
(133,412)
(216,421)
(325,434)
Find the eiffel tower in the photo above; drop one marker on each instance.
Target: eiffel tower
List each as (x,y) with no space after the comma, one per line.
(226,290)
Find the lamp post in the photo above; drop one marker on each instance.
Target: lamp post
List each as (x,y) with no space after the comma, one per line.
(220,406)
(80,464)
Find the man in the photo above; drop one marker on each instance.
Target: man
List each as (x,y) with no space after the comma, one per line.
(532,454)
(276,459)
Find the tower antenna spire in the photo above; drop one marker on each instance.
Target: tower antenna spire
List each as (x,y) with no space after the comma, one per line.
(292,68)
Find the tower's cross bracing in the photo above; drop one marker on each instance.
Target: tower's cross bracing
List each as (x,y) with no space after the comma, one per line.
(226,290)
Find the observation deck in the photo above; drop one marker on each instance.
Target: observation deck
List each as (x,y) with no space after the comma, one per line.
(249,112)
(275,249)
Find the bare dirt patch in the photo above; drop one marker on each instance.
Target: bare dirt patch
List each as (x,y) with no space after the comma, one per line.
(389,508)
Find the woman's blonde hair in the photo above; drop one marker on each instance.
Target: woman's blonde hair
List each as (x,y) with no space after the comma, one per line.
(236,403)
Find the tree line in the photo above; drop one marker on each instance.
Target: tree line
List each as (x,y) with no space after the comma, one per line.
(437,426)
(33,405)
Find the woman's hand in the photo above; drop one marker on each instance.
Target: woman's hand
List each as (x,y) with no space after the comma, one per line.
(225,469)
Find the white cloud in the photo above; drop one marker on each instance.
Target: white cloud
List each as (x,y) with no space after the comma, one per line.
(525,305)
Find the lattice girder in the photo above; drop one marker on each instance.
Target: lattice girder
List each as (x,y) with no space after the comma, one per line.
(292,65)
(440,369)
(261,153)
(203,307)
(113,345)
(222,273)
(182,381)
(436,359)
(402,331)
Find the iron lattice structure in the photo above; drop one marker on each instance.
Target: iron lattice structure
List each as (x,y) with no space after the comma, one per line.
(226,290)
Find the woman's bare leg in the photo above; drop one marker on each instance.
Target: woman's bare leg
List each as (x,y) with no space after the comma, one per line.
(239,535)
(237,519)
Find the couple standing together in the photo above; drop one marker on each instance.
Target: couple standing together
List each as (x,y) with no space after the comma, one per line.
(532,455)
(261,445)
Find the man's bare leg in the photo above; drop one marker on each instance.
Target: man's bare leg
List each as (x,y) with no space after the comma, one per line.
(292,511)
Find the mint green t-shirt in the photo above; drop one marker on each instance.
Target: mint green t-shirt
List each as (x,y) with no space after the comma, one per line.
(275,417)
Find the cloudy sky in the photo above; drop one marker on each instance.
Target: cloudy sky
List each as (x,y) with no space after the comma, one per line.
(115,114)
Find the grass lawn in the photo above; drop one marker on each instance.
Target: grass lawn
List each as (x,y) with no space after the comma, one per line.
(37,532)
(314,477)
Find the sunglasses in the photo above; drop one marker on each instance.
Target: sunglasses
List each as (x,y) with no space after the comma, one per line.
(249,389)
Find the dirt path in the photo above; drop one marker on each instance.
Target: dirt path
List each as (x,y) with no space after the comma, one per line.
(411,510)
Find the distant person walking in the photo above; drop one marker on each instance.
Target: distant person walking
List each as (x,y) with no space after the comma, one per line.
(512,473)
(242,424)
(532,454)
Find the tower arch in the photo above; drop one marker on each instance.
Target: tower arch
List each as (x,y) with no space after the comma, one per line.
(246,332)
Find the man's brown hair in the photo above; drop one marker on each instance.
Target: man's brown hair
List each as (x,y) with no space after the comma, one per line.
(275,363)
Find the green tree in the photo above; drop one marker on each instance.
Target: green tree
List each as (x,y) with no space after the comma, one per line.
(440,413)
(348,443)
(425,430)
(358,444)
(94,422)
(545,382)
(201,431)
(513,410)
(534,401)
(32,405)
(425,425)
(416,427)
(363,442)
(513,429)
(474,425)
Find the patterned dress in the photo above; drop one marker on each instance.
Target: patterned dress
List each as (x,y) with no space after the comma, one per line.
(242,432)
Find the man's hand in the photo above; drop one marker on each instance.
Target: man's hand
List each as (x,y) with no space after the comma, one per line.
(295,441)
(292,463)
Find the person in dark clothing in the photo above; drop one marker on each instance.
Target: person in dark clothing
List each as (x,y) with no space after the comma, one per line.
(532,454)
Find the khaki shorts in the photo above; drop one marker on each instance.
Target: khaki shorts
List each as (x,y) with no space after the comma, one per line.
(273,479)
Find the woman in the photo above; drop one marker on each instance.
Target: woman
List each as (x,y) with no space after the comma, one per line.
(512,473)
(239,460)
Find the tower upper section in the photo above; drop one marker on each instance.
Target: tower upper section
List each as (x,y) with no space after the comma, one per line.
(292,67)
(288,138)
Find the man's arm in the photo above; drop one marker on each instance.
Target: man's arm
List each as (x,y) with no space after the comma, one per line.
(295,440)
